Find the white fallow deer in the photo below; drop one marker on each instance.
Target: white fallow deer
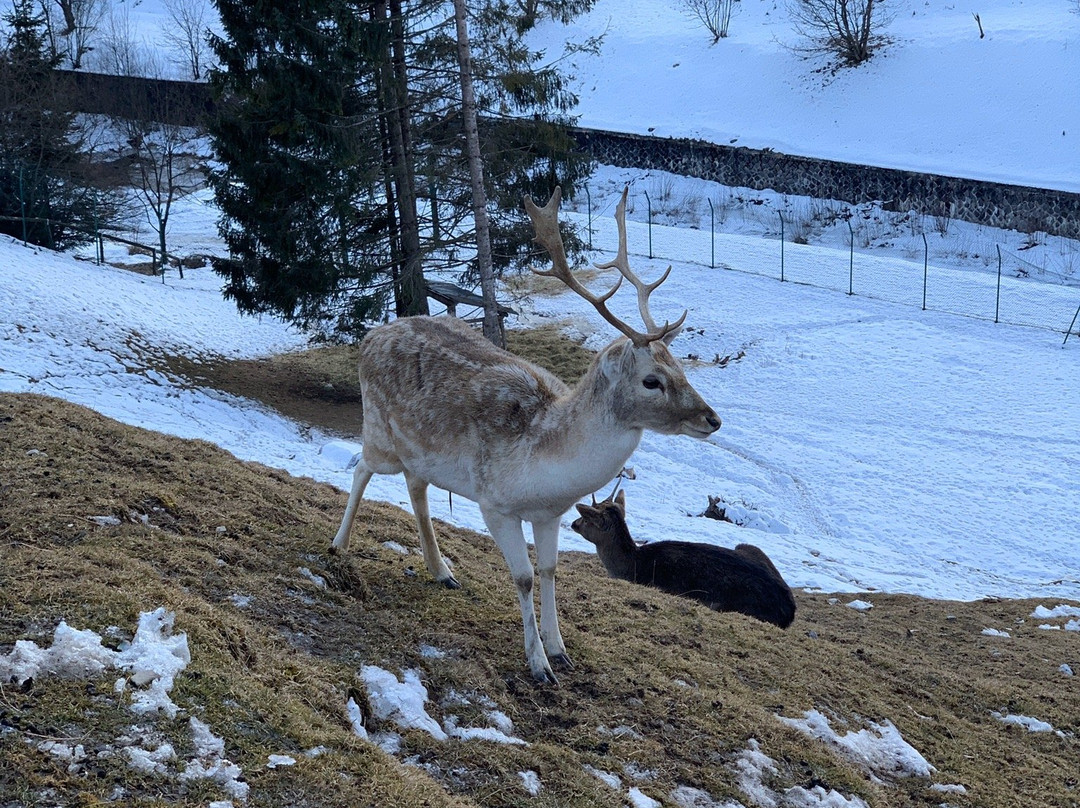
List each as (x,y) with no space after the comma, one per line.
(446,408)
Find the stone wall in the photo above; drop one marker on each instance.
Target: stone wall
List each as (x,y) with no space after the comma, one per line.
(994,204)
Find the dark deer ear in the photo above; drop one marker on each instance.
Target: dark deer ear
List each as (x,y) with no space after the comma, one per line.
(584,510)
(620,500)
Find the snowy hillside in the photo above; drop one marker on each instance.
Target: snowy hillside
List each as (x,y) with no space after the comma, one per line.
(938,98)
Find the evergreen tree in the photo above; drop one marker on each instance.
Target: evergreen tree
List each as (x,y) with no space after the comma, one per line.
(340,142)
(300,157)
(46,192)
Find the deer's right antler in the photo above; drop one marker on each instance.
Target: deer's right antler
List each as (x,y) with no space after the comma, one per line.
(546,225)
(621,262)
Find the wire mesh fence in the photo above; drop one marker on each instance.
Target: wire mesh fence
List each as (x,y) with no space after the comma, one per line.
(1002,287)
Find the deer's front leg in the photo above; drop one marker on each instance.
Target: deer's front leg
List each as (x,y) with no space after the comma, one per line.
(507,533)
(546,539)
(361,477)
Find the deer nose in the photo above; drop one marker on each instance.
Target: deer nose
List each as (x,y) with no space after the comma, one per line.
(713,421)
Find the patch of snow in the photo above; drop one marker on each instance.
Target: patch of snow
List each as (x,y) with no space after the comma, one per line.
(223,772)
(394,547)
(356,718)
(605,777)
(155,657)
(1073,625)
(531,781)
(340,454)
(274,761)
(993,632)
(860,605)
(639,799)
(1025,721)
(1061,610)
(318,580)
(207,744)
(879,750)
(947,788)
(1066,669)
(400,701)
(150,761)
(479,733)
(104,521)
(689,797)
(240,601)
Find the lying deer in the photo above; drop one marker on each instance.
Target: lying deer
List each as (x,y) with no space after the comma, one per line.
(741,580)
(446,408)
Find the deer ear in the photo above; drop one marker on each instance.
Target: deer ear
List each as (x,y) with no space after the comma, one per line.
(613,358)
(620,500)
(584,510)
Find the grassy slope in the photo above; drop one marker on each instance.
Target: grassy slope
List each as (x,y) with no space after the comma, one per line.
(274,677)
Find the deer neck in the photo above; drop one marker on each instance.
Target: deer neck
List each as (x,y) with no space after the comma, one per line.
(586,427)
(617,551)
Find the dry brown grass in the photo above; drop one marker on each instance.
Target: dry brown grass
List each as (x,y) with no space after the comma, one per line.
(274,677)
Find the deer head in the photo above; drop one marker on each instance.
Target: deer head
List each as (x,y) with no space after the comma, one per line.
(646,385)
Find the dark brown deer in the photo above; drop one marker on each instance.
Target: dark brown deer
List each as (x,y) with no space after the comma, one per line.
(741,580)
(445,407)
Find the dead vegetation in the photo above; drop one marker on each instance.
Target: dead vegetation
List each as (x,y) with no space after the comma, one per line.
(685,688)
(665,693)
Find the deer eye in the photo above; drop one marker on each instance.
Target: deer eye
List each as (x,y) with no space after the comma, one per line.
(652,383)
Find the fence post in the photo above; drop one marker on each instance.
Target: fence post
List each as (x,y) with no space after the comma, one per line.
(781,215)
(997,298)
(22,205)
(925,267)
(588,198)
(1069,331)
(649,203)
(712,232)
(436,236)
(851,259)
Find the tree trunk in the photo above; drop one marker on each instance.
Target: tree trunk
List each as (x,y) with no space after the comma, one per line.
(492,323)
(412,288)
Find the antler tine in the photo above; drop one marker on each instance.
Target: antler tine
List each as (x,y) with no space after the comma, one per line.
(546,225)
(621,262)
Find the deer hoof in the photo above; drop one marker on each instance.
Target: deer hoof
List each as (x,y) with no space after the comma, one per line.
(546,677)
(450,583)
(562,660)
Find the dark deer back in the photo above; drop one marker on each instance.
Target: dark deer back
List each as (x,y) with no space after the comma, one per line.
(742,580)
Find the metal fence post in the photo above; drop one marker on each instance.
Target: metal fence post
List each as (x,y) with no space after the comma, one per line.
(1069,331)
(997,297)
(588,201)
(781,215)
(22,205)
(712,231)
(649,203)
(925,268)
(851,260)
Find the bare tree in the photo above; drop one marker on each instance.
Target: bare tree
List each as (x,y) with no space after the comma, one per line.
(164,163)
(715,15)
(187,34)
(492,322)
(846,28)
(72,31)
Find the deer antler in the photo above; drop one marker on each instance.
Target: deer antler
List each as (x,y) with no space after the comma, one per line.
(546,224)
(621,262)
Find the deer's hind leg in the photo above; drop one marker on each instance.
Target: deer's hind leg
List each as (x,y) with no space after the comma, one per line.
(433,559)
(361,477)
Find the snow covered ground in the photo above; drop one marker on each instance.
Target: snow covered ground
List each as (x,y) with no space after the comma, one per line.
(866,445)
